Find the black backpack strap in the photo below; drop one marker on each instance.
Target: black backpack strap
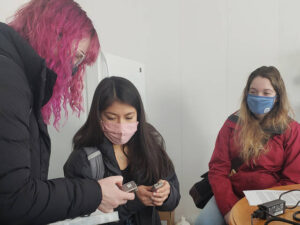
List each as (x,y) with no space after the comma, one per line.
(236,162)
(94,156)
(234,117)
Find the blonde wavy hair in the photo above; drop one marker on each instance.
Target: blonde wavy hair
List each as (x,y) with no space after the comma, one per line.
(253,135)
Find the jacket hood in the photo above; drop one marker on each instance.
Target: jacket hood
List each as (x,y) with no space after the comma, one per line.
(41,79)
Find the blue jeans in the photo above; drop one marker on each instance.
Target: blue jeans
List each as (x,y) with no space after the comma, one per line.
(210,214)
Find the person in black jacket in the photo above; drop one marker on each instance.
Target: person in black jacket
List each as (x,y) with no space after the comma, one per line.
(129,146)
(39,49)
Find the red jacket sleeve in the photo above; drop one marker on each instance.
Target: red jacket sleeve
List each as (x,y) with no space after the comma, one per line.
(291,169)
(219,169)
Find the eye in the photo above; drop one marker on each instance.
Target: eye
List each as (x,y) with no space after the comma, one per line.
(110,118)
(129,118)
(267,93)
(79,57)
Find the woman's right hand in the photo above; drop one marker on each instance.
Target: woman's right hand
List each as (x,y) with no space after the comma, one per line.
(112,196)
(145,193)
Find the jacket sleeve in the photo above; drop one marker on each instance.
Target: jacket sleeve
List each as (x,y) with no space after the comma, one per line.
(290,172)
(23,198)
(219,169)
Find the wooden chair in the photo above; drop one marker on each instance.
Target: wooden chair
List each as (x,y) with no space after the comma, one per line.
(167,216)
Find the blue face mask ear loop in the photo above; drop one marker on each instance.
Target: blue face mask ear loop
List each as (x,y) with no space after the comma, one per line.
(275,101)
(74,70)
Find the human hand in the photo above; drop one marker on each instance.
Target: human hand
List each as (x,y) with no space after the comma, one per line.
(227,217)
(112,196)
(144,193)
(161,194)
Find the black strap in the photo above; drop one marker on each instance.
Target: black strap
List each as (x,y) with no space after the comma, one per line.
(236,163)
(233,118)
(273,130)
(96,162)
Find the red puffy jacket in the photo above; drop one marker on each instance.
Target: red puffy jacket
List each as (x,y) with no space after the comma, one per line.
(279,166)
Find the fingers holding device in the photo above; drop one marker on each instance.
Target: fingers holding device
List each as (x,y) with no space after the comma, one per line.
(158,185)
(112,195)
(161,191)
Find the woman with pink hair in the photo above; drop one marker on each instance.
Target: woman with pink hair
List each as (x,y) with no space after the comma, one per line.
(43,54)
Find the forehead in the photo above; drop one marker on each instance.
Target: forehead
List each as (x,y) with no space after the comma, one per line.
(261,83)
(120,108)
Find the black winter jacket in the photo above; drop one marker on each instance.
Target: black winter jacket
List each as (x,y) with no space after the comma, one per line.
(26,196)
(78,166)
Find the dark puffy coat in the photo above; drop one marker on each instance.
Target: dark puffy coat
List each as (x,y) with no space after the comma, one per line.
(78,166)
(26,196)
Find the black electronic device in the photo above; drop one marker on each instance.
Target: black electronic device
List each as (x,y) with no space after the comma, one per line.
(269,209)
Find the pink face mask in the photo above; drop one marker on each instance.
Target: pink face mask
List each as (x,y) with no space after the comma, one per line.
(119,133)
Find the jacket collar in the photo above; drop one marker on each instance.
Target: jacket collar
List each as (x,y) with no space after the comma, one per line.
(272,130)
(107,151)
(106,147)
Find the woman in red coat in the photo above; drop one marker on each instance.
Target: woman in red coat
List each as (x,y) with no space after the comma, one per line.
(258,147)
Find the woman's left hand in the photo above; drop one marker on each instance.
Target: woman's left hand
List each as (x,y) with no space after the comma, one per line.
(227,217)
(161,194)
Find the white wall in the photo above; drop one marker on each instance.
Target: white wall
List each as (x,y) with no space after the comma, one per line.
(8,8)
(197,56)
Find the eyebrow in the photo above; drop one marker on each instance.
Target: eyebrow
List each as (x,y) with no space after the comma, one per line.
(129,114)
(114,114)
(264,89)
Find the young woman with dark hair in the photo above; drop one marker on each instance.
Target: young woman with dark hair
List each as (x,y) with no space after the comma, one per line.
(130,146)
(257,147)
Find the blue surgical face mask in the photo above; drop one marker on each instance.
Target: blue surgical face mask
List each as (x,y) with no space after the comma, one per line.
(260,104)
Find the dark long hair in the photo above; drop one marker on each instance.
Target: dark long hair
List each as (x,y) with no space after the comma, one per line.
(147,157)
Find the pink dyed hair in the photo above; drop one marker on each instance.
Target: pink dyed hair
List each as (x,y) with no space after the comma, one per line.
(53,27)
